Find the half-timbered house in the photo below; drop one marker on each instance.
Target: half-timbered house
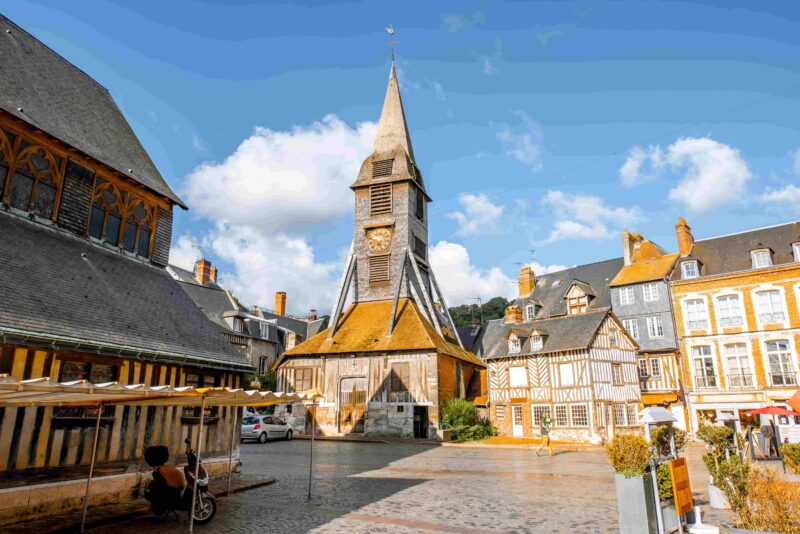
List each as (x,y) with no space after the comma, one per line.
(388,360)
(85,230)
(560,351)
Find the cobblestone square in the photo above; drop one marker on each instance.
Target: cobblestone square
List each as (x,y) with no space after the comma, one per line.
(378,487)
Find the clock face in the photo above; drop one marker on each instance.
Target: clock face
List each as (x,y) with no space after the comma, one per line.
(379,239)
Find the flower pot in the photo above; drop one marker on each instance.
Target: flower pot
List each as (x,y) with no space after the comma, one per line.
(635,505)
(716,498)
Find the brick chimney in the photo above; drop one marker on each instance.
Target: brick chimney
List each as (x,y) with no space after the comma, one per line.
(476,321)
(212,275)
(630,243)
(685,238)
(280,303)
(312,315)
(202,271)
(513,314)
(526,281)
(255,310)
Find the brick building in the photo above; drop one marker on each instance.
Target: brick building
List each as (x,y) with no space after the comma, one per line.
(386,362)
(85,230)
(736,300)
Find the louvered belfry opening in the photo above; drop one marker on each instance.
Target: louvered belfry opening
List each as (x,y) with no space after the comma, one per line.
(382,168)
(419,247)
(379,268)
(380,199)
(419,207)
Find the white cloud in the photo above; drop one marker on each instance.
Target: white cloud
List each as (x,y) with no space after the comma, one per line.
(453,22)
(264,199)
(438,90)
(796,161)
(283,180)
(184,252)
(712,174)
(198,144)
(480,216)
(538,268)
(461,281)
(586,217)
(788,198)
(488,66)
(524,144)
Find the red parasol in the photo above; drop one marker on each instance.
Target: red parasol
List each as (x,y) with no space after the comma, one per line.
(772,410)
(794,402)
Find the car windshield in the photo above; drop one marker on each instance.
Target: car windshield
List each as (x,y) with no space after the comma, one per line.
(249,420)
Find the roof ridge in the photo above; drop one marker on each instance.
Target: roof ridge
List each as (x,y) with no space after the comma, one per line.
(581,265)
(747,231)
(52,51)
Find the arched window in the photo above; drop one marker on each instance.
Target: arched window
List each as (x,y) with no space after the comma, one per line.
(35,182)
(121,219)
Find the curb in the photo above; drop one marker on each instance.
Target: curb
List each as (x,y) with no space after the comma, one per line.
(332,438)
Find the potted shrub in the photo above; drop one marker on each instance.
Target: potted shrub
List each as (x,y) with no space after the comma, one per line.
(660,443)
(717,440)
(629,455)
(791,457)
(761,502)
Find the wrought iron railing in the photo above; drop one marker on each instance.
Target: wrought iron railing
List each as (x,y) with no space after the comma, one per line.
(727,322)
(740,380)
(777,317)
(784,379)
(705,382)
(700,324)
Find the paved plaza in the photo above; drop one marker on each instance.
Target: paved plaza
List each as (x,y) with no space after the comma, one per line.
(378,487)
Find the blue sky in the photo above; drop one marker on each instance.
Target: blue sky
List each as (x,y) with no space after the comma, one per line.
(546,125)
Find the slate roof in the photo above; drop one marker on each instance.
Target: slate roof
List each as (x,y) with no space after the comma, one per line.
(551,288)
(731,253)
(60,99)
(69,290)
(361,330)
(468,335)
(574,332)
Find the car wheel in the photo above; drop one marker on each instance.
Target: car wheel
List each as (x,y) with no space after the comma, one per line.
(262,438)
(288,434)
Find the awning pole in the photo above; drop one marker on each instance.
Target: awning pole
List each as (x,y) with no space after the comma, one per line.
(91,467)
(235,414)
(311,453)
(199,449)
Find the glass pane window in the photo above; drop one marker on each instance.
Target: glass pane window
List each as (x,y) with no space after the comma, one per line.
(655,367)
(654,326)
(626,295)
(539,413)
(643,368)
(795,246)
(704,373)
(537,342)
(729,311)
(561,415)
(689,269)
(579,414)
(770,306)
(650,292)
(530,311)
(74,371)
(616,374)
(513,344)
(761,258)
(633,412)
(143,248)
(619,415)
(21,189)
(781,368)
(696,314)
(129,237)
(632,326)
(738,362)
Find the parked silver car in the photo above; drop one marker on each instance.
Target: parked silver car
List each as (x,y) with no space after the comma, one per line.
(264,427)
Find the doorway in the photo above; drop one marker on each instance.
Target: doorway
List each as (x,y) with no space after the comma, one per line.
(352,404)
(516,420)
(421,422)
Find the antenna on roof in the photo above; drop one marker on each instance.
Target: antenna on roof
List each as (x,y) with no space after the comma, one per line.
(480,307)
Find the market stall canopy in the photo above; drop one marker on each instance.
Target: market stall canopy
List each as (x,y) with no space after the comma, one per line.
(794,402)
(772,410)
(46,392)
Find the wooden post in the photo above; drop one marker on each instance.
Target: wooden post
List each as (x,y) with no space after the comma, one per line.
(91,467)
(235,417)
(311,452)
(197,465)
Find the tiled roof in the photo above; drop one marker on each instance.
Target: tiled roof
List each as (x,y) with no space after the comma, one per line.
(61,286)
(645,269)
(43,89)
(363,327)
(731,253)
(573,332)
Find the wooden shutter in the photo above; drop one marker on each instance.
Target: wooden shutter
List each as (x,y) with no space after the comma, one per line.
(420,205)
(380,199)
(382,168)
(379,268)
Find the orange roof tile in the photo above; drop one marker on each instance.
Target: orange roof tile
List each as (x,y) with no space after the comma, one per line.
(363,327)
(652,268)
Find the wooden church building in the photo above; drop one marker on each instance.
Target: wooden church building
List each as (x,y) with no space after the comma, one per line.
(389,359)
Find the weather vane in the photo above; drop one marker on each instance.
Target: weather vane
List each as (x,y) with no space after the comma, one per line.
(392,40)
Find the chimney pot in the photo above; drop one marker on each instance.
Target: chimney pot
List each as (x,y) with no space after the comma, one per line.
(526,281)
(312,315)
(513,314)
(280,303)
(212,274)
(202,271)
(685,238)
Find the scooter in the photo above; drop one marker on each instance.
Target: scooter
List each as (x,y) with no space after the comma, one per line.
(171,491)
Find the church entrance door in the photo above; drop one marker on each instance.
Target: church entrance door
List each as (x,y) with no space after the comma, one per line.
(352,404)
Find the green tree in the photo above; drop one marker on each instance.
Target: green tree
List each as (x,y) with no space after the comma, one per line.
(494,308)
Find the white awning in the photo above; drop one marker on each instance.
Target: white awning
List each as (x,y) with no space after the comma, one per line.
(45,392)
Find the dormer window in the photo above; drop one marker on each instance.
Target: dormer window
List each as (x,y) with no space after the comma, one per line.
(761,258)
(577,305)
(689,269)
(513,344)
(537,342)
(238,325)
(530,311)
(796,251)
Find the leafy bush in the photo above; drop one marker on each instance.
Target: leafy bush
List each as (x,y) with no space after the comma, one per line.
(659,439)
(717,439)
(664,479)
(791,455)
(459,413)
(629,454)
(731,479)
(471,433)
(763,502)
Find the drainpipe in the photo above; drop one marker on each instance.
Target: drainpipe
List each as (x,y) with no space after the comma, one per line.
(686,395)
